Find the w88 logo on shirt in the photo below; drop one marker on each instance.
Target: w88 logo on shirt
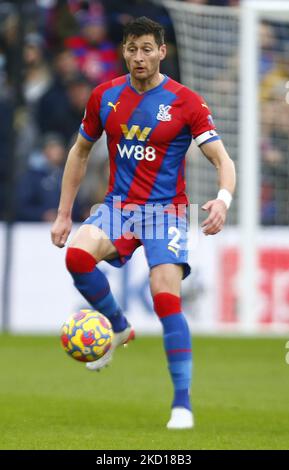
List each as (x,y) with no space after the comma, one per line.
(138,152)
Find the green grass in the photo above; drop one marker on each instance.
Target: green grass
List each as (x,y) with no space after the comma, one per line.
(48,401)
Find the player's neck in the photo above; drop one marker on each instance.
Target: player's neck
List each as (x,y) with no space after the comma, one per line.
(141,86)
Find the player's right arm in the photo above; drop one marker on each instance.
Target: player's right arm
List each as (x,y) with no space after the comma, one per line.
(74,173)
(75,168)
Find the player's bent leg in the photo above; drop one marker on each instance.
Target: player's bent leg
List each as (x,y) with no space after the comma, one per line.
(166,278)
(95,241)
(81,259)
(165,287)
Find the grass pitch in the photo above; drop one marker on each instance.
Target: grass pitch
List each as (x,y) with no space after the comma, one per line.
(49,401)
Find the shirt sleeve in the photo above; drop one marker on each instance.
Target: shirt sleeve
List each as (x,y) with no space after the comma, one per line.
(202,125)
(91,126)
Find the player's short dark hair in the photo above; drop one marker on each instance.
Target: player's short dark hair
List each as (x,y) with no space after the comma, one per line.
(143,25)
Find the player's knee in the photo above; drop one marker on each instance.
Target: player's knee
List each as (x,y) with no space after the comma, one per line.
(166,278)
(160,282)
(166,304)
(79,261)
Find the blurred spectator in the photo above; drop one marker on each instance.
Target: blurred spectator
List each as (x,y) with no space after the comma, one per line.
(6,126)
(224,3)
(220,3)
(198,2)
(274,114)
(268,204)
(88,6)
(8,38)
(38,190)
(57,22)
(64,71)
(6,120)
(96,55)
(37,75)
(36,80)
(55,102)
(3,71)
(274,164)
(61,108)
(274,81)
(268,46)
(65,67)
(120,13)
(275,187)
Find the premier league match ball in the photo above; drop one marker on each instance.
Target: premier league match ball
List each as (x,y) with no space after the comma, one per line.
(87,335)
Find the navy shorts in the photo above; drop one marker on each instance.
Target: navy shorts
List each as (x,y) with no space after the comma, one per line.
(163,233)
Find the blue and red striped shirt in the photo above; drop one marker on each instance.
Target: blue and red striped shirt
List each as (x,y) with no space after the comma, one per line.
(148,136)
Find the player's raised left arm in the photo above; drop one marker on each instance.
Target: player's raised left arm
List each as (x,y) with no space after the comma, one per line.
(217,208)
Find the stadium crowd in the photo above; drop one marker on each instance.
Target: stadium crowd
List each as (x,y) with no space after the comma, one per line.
(71,46)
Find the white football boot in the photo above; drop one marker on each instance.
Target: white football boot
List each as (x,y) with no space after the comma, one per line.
(181,418)
(119,339)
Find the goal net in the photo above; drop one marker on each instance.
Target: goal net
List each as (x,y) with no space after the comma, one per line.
(208,42)
(238,60)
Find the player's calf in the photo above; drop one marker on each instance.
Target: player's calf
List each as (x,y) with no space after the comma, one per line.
(94,286)
(177,342)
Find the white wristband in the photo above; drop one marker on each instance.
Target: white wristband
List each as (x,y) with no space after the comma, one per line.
(225,196)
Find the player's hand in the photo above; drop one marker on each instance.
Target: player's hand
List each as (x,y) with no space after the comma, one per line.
(60,231)
(217,216)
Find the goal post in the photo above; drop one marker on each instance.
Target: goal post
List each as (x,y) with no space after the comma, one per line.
(248,174)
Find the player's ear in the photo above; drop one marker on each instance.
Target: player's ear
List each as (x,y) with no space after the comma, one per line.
(123,49)
(163,51)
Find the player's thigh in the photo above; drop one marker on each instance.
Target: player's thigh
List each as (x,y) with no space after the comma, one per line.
(166,278)
(95,241)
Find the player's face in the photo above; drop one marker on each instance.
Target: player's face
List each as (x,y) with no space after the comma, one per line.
(142,56)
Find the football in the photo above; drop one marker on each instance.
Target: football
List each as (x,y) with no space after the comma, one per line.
(87,335)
